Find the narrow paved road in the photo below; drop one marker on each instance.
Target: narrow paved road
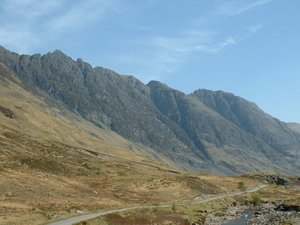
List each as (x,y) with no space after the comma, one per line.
(77,219)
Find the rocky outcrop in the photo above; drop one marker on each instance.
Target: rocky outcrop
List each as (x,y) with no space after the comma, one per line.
(273,179)
(7,112)
(288,207)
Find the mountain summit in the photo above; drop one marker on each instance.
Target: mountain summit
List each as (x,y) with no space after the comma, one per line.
(204,131)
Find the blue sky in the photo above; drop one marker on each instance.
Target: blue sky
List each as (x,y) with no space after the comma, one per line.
(248,47)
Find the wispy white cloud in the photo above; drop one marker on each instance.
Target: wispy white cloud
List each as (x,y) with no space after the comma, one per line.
(253,29)
(32,23)
(21,40)
(214,48)
(85,12)
(29,9)
(17,29)
(194,42)
(160,56)
(233,8)
(168,54)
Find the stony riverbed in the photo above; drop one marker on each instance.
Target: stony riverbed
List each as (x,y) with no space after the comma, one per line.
(264,214)
(272,214)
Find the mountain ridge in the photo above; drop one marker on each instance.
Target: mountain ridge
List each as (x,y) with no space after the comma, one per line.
(202,131)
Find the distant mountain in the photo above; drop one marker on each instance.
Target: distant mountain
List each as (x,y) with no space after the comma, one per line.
(204,131)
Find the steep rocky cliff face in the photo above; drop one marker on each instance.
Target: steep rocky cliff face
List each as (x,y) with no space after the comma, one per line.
(203,131)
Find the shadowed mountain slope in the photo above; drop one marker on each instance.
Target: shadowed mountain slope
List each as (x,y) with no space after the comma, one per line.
(204,131)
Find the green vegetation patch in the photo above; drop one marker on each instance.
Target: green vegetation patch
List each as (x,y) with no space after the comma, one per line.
(42,164)
(255,198)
